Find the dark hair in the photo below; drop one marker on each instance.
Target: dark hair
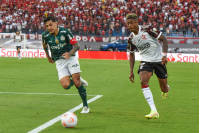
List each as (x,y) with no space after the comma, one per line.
(17,31)
(49,18)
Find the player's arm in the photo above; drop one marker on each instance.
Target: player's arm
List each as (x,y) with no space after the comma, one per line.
(132,63)
(14,38)
(45,47)
(165,43)
(132,49)
(165,48)
(76,47)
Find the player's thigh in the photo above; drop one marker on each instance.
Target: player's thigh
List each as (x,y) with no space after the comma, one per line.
(76,79)
(74,69)
(160,70)
(18,48)
(62,69)
(145,71)
(73,65)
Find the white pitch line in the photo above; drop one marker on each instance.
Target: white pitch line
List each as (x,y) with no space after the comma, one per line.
(51,122)
(41,93)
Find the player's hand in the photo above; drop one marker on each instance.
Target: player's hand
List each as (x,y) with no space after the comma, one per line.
(164,60)
(131,77)
(66,55)
(50,60)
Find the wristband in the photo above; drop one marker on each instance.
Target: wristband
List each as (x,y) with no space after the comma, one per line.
(165,54)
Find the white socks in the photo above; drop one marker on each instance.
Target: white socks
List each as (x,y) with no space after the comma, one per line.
(149,97)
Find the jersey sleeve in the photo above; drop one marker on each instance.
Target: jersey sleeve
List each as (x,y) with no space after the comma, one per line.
(43,40)
(131,47)
(152,31)
(70,37)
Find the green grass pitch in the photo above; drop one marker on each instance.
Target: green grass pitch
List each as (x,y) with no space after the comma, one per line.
(121,109)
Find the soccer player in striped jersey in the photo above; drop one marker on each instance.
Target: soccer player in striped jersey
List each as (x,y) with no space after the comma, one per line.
(63,47)
(153,58)
(18,39)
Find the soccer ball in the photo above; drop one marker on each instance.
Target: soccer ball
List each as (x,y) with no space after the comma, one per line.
(69,120)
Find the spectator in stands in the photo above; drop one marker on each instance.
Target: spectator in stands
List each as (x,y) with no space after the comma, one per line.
(116,50)
(89,49)
(110,32)
(98,12)
(98,33)
(93,30)
(90,29)
(103,33)
(194,32)
(85,48)
(85,29)
(123,30)
(80,28)
(177,28)
(183,28)
(76,29)
(73,29)
(167,31)
(40,31)
(117,27)
(170,28)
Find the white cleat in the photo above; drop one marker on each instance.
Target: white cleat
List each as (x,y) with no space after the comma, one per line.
(84,82)
(85,110)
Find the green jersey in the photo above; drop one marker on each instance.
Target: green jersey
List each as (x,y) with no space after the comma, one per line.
(58,44)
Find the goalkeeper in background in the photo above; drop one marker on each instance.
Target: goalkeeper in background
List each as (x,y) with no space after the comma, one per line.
(63,47)
(18,40)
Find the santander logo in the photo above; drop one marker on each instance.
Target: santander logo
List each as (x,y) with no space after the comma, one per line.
(171,58)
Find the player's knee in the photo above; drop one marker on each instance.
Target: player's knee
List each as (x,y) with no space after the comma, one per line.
(66,86)
(143,82)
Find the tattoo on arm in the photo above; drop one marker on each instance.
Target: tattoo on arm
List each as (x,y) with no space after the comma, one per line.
(75,48)
(46,49)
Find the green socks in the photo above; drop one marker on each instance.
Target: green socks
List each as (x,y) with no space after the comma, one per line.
(83,94)
(81,91)
(70,85)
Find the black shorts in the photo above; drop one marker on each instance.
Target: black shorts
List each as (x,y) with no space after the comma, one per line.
(18,47)
(159,69)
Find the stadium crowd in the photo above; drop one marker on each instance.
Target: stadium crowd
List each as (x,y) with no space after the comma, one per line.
(100,17)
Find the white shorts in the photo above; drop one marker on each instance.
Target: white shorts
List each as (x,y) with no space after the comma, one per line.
(67,67)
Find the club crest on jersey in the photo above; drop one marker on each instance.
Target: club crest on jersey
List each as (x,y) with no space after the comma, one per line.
(57,41)
(62,38)
(143,37)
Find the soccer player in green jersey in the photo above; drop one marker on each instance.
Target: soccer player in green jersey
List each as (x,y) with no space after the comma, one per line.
(63,46)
